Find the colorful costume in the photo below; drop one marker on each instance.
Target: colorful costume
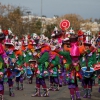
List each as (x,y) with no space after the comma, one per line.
(72,66)
(19,77)
(88,74)
(11,61)
(88,71)
(53,68)
(3,63)
(40,74)
(1,85)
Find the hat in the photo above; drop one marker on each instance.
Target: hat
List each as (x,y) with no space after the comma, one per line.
(16,38)
(88,33)
(5,32)
(87,43)
(99,35)
(25,43)
(9,31)
(9,42)
(73,38)
(32,61)
(2,36)
(43,40)
(35,36)
(98,40)
(56,33)
(17,45)
(80,33)
(46,48)
(71,31)
(31,42)
(66,41)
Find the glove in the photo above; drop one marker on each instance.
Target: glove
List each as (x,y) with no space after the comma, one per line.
(90,54)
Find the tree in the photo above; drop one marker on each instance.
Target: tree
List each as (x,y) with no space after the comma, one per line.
(50,29)
(11,17)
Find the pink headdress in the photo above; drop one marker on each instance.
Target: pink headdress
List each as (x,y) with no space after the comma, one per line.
(1,49)
(74,49)
(1,73)
(74,52)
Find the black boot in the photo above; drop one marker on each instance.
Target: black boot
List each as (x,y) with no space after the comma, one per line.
(51,87)
(72,97)
(46,93)
(85,93)
(17,86)
(99,90)
(31,79)
(89,92)
(78,97)
(37,93)
(56,87)
(21,87)
(11,93)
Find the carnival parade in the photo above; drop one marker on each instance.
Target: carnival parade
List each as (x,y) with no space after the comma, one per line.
(65,59)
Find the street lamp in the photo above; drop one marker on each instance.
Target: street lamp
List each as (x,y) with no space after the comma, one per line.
(41,8)
(28,12)
(41,16)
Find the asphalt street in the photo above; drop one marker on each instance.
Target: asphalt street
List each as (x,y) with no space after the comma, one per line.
(62,94)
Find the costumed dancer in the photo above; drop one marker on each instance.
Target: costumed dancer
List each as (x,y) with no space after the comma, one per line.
(65,62)
(97,70)
(33,66)
(5,62)
(1,65)
(56,42)
(19,71)
(40,79)
(88,71)
(27,53)
(62,73)
(29,73)
(9,44)
(88,74)
(97,65)
(1,85)
(72,66)
(74,73)
(53,68)
(32,62)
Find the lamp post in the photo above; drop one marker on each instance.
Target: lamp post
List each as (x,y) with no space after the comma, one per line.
(41,8)
(41,16)
(28,12)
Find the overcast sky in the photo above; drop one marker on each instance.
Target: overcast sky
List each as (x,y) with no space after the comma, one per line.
(84,8)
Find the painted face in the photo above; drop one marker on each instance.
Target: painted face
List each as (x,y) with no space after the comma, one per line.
(35,36)
(32,65)
(87,47)
(1,75)
(75,63)
(98,43)
(64,47)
